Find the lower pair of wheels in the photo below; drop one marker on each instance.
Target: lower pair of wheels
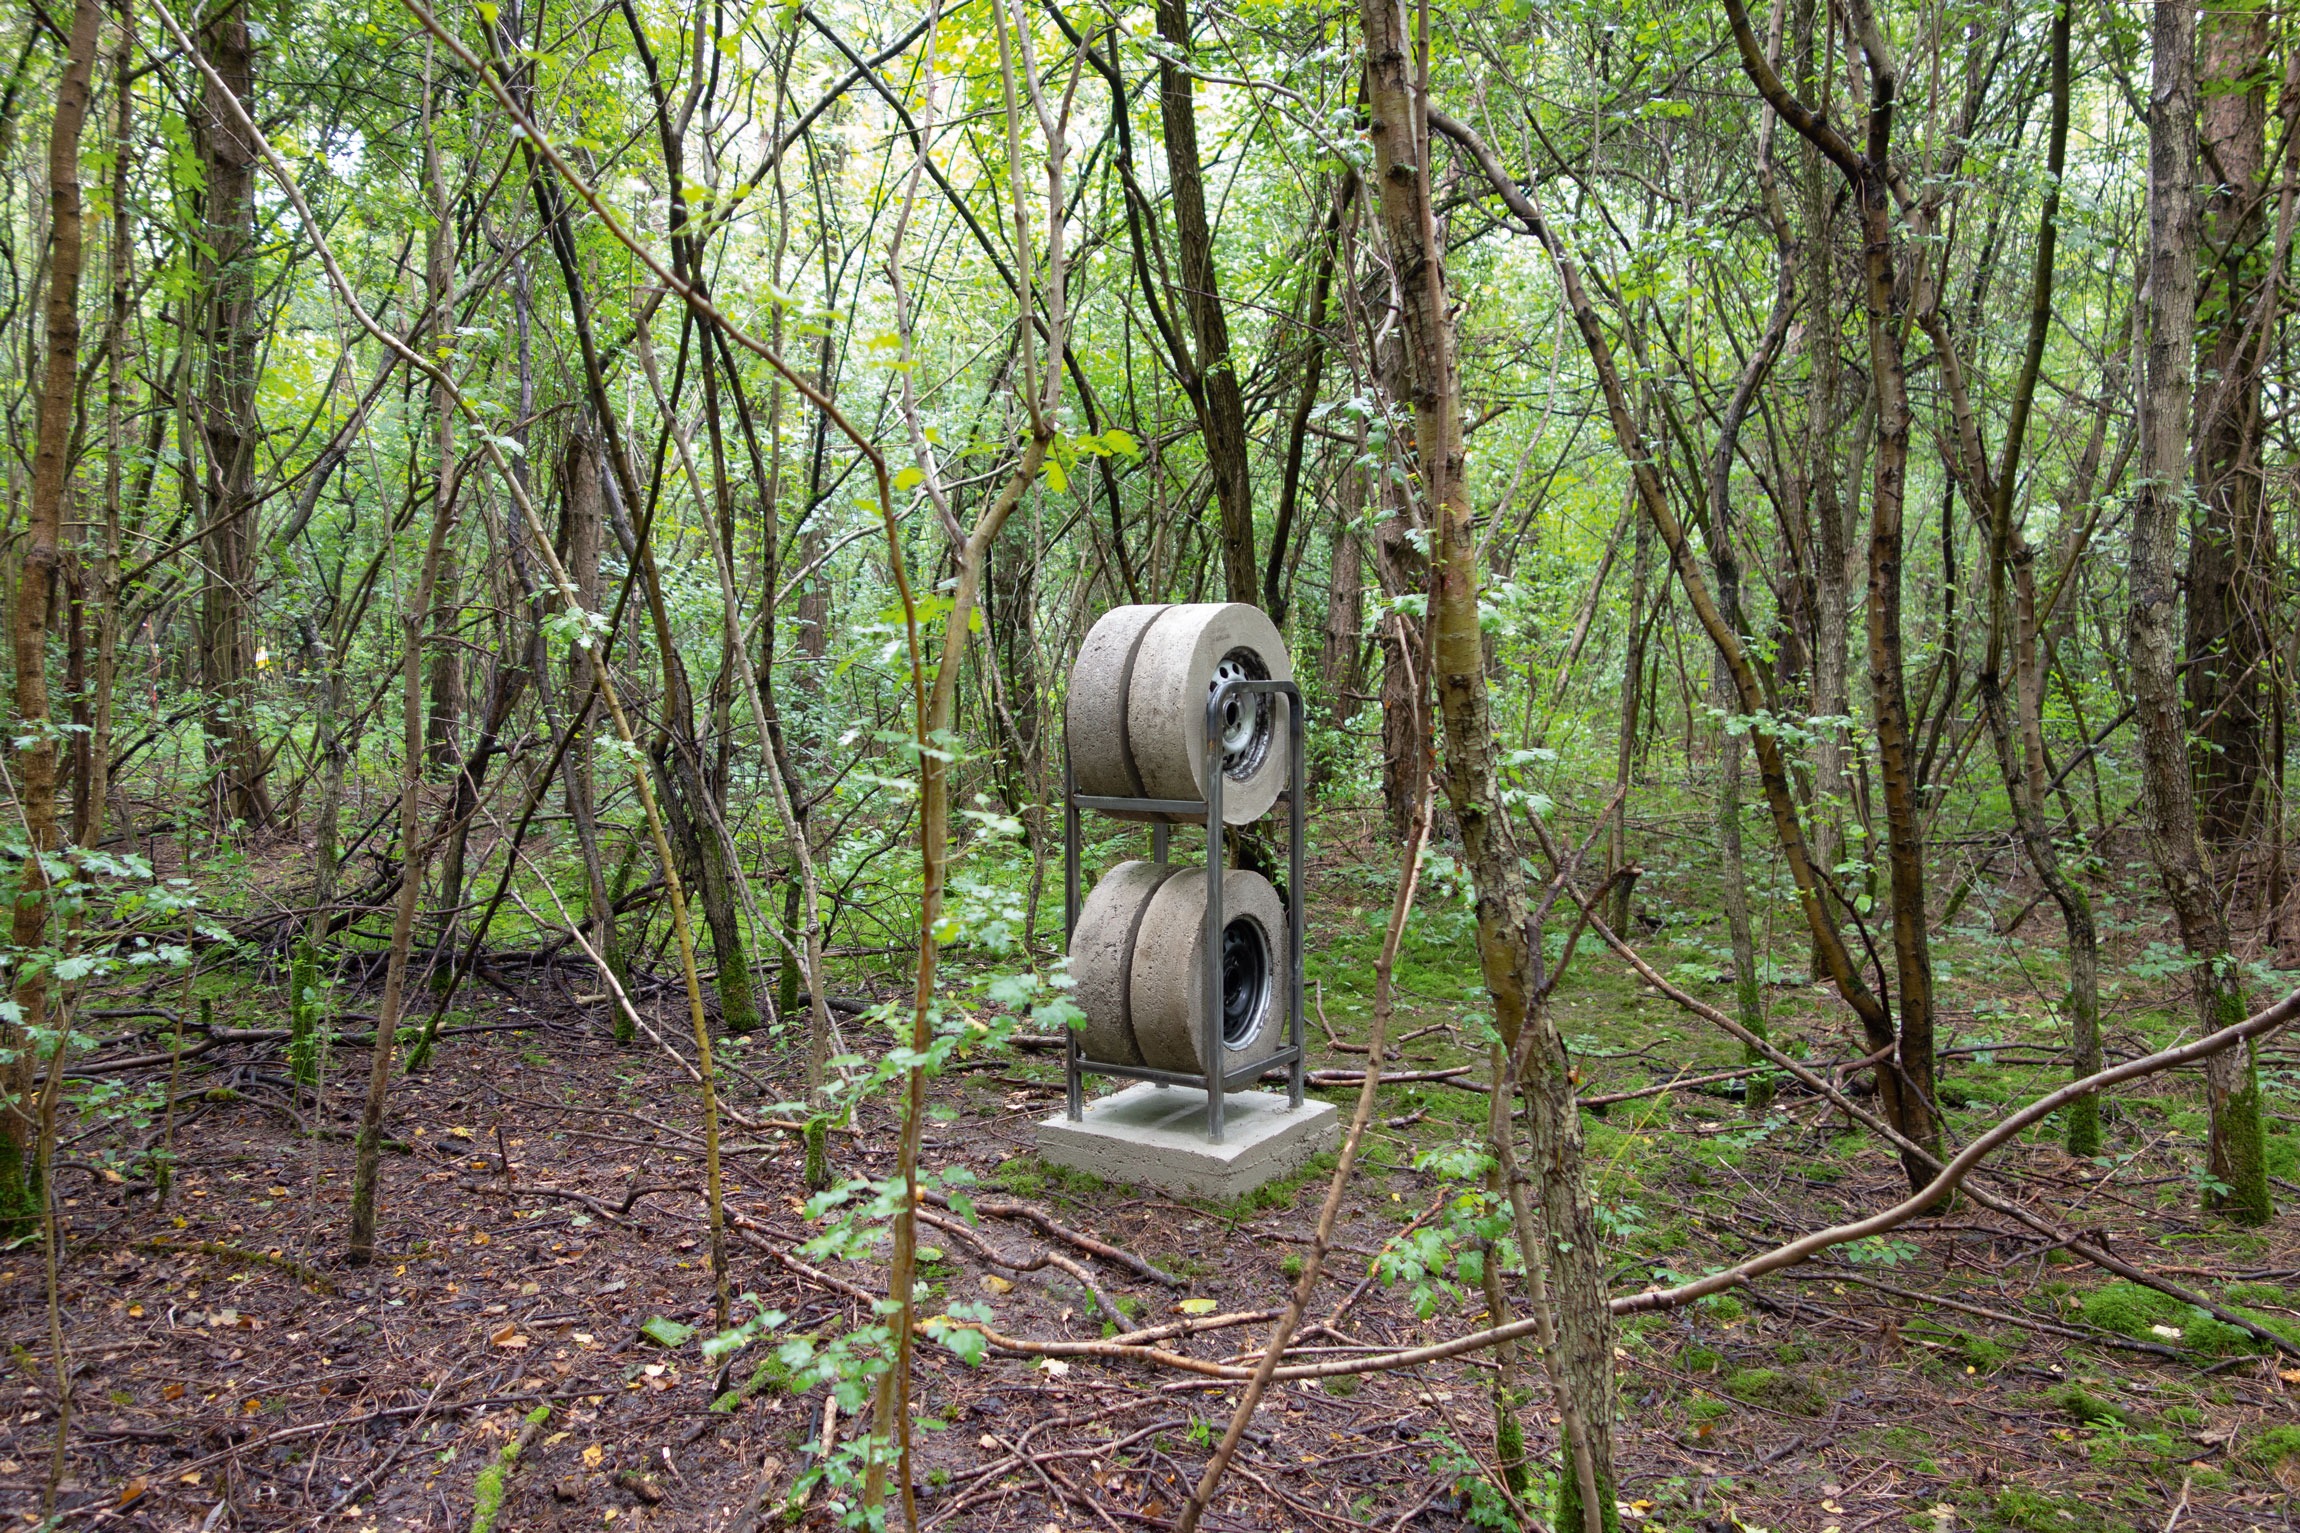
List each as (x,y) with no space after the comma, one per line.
(1139,958)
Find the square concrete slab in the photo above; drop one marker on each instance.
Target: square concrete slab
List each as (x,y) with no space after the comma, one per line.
(1153,1136)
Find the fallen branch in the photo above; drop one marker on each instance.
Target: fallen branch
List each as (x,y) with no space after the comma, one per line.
(753,1234)
(1450,1077)
(1950,1175)
(310,1277)
(1046,1224)
(989,1253)
(2026,1322)
(1682,1083)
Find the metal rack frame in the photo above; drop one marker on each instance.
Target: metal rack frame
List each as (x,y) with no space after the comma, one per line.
(1075,1065)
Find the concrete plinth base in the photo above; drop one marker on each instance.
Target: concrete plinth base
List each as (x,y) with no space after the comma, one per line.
(1152,1136)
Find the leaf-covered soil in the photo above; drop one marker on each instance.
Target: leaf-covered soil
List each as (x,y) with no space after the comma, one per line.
(543,1203)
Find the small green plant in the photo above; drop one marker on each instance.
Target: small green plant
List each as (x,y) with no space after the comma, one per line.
(1777,1389)
(2274,1450)
(2085,1408)
(306,1014)
(818,1167)
(2131,1310)
(487,1490)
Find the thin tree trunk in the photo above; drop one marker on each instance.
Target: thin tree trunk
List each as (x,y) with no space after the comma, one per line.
(1582,1364)
(1343,641)
(1403,567)
(225,411)
(2168,802)
(107,554)
(1210,377)
(414,848)
(1633,693)
(443,724)
(581,496)
(21,1189)
(1275,584)
(2232,551)
(1832,600)
(2013,616)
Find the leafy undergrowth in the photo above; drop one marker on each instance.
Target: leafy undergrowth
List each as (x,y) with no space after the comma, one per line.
(227,1355)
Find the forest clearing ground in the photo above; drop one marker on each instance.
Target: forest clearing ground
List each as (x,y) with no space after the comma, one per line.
(211,1371)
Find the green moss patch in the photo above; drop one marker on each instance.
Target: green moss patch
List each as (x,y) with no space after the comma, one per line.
(1776,1389)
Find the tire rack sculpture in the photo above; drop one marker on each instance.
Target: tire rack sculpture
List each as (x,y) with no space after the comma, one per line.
(1238,703)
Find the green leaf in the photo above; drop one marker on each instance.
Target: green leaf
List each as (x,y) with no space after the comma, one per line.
(1056,479)
(1122,441)
(666,1333)
(909,478)
(969,1346)
(1196,1306)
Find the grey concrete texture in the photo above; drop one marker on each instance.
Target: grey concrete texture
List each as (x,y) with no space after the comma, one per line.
(1094,711)
(1167,993)
(1102,959)
(1151,1136)
(1135,713)
(1166,704)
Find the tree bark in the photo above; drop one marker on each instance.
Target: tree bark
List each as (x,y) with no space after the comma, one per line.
(581,496)
(225,412)
(415,617)
(1583,1359)
(21,1178)
(2168,800)
(1404,572)
(1624,884)
(2232,550)
(1342,644)
(1210,377)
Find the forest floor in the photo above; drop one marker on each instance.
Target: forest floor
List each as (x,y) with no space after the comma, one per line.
(544,1204)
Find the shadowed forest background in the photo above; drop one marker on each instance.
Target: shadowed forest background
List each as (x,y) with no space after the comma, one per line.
(542,551)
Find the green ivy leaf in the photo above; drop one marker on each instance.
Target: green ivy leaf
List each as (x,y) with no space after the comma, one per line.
(666,1333)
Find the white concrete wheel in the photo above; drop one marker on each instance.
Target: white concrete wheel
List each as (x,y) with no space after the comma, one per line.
(1102,959)
(1094,713)
(1168,984)
(1179,660)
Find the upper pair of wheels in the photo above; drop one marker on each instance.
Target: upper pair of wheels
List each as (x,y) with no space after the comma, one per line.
(1136,715)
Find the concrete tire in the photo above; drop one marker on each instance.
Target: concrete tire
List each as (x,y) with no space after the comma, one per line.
(1174,668)
(1094,712)
(1102,959)
(1167,993)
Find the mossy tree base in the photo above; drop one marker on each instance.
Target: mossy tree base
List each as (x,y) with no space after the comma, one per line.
(1568,1517)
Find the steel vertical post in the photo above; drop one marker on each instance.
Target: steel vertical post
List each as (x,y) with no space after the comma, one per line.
(1210,1049)
(1074,1092)
(1295,898)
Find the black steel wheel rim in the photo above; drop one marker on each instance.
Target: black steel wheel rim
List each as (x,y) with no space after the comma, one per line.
(1245,981)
